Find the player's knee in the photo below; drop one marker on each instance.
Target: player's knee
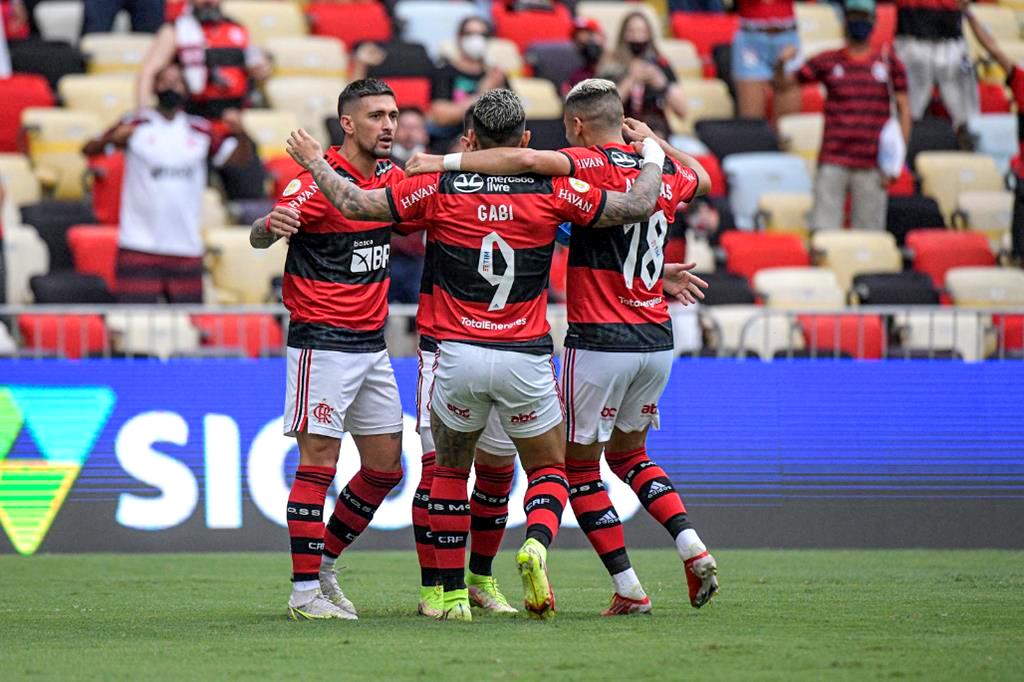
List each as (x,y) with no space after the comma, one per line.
(381,453)
(316,450)
(625,441)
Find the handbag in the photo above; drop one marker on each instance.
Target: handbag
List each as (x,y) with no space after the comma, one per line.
(892,148)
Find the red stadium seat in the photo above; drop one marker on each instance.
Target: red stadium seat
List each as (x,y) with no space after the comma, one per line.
(704,30)
(675,250)
(528,27)
(351,23)
(94,251)
(1011,330)
(748,252)
(811,100)
(410,92)
(992,98)
(936,251)
(72,336)
(714,169)
(255,335)
(173,9)
(885,25)
(20,91)
(107,172)
(282,169)
(904,185)
(856,335)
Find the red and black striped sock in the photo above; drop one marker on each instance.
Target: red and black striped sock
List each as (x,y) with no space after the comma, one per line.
(488,508)
(306,521)
(596,514)
(421,524)
(653,487)
(449,524)
(355,507)
(546,497)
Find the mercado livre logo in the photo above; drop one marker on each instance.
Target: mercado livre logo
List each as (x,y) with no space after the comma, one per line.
(61,425)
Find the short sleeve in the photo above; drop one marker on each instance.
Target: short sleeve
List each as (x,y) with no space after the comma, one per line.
(812,70)
(303,195)
(412,198)
(577,201)
(684,183)
(586,164)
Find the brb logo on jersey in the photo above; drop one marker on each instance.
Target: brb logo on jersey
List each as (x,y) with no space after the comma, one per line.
(467,183)
(622,159)
(369,258)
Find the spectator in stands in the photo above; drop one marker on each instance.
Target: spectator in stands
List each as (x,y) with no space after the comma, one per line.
(146,15)
(219,66)
(411,137)
(166,156)
(766,29)
(13,26)
(696,6)
(857,80)
(459,83)
(930,41)
(589,40)
(645,79)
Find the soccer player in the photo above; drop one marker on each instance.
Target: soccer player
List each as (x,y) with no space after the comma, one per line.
(618,351)
(490,320)
(339,374)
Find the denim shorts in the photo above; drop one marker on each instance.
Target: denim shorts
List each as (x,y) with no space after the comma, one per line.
(754,53)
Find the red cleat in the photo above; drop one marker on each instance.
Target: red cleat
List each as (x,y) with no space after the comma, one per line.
(700,578)
(624,606)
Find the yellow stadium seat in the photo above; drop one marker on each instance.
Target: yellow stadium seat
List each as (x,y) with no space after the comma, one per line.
(1001,23)
(945,175)
(109,96)
(990,71)
(312,99)
(611,15)
(267,20)
(812,48)
(26,255)
(786,212)
(308,56)
(242,274)
(156,333)
(539,96)
(61,20)
(848,253)
(970,335)
(817,22)
(987,211)
(801,134)
(799,288)
(20,184)
(55,139)
(682,55)
(115,52)
(270,130)
(214,212)
(986,287)
(500,51)
(744,327)
(705,98)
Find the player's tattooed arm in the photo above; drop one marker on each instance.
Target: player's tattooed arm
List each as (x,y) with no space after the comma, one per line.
(622,208)
(354,203)
(281,222)
(454,448)
(500,161)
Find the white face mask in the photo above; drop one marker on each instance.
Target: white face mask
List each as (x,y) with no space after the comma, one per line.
(474,46)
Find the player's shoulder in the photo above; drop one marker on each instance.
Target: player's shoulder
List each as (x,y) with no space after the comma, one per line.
(388,172)
(299,190)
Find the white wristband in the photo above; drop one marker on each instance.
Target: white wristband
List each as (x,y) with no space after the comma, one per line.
(452,162)
(653,153)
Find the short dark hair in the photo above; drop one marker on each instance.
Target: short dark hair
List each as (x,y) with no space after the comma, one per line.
(468,20)
(356,90)
(499,119)
(597,100)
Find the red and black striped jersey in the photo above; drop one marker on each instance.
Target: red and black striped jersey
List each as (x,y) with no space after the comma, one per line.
(614,298)
(337,273)
(425,310)
(493,237)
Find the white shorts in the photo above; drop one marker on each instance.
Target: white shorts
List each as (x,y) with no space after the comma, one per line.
(331,393)
(471,380)
(493,441)
(612,390)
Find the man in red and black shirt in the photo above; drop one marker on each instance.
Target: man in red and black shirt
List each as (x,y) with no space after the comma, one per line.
(339,373)
(858,80)
(493,237)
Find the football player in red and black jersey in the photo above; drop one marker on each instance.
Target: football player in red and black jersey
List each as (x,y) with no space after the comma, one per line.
(494,237)
(339,374)
(618,351)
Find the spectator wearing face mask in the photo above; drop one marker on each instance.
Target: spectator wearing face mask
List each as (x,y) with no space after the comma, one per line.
(411,137)
(589,41)
(459,82)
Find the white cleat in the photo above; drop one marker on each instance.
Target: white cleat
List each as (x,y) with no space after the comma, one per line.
(701,578)
(315,608)
(331,591)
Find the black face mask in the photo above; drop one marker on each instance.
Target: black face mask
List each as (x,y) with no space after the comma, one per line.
(207,15)
(591,52)
(859,30)
(170,100)
(638,48)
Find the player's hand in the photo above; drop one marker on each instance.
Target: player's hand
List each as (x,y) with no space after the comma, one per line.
(636,131)
(421,163)
(304,148)
(681,284)
(283,222)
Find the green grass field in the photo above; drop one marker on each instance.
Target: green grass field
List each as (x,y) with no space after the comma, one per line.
(781,615)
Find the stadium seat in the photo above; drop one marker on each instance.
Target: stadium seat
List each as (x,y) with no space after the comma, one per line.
(242,274)
(995,135)
(705,29)
(930,135)
(115,52)
(52,220)
(70,287)
(308,56)
(547,133)
(944,175)
(554,60)
(432,22)
(784,212)
(812,99)
(817,22)
(904,185)
(801,134)
(47,58)
(909,213)
(282,170)
(848,253)
(214,212)
(736,136)
(59,20)
(812,48)
(70,336)
(20,184)
(719,187)
(725,288)
(986,287)
(310,98)
(109,97)
(540,99)
(798,288)
(266,20)
(1000,21)
(611,15)
(8,346)
(94,251)
(705,99)
(255,335)
(740,329)
(896,288)
(107,174)
(18,93)
(857,336)
(721,63)
(682,56)
(527,27)
(754,174)
(499,51)
(406,60)
(993,98)
(270,130)
(748,252)
(936,251)
(989,212)
(152,332)
(25,255)
(410,91)
(352,23)
(968,335)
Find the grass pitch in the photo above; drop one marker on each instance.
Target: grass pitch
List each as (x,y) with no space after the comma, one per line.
(781,615)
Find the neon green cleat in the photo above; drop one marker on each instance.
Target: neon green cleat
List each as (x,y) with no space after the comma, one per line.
(456,606)
(539,598)
(431,601)
(485,593)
